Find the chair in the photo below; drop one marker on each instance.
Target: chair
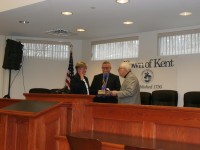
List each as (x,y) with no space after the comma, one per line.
(64,90)
(136,148)
(77,143)
(164,98)
(192,99)
(145,98)
(39,90)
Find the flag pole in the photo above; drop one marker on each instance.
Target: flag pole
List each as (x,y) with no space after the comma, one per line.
(70,71)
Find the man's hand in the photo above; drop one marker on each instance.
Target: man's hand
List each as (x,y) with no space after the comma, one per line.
(114,93)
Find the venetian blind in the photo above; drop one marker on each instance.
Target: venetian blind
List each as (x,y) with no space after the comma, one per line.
(48,50)
(179,43)
(115,48)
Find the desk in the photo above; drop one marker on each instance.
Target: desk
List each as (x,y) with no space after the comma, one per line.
(138,142)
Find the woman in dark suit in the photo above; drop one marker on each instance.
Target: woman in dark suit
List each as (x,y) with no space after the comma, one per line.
(79,83)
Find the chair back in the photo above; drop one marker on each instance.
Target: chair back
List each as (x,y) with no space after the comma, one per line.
(39,90)
(145,98)
(164,98)
(77,143)
(192,99)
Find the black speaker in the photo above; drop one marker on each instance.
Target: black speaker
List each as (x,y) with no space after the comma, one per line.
(13,55)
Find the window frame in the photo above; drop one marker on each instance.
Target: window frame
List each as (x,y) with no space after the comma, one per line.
(113,43)
(48,54)
(179,43)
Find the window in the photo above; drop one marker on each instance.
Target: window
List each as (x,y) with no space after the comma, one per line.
(178,43)
(48,50)
(115,48)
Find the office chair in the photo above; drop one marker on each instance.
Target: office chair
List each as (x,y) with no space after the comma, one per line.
(77,143)
(39,90)
(164,98)
(145,98)
(192,99)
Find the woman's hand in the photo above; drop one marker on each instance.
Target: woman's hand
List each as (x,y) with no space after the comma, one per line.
(81,73)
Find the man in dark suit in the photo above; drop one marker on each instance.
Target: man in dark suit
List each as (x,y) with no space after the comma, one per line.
(103,81)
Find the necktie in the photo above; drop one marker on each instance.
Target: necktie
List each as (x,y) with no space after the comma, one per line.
(105,77)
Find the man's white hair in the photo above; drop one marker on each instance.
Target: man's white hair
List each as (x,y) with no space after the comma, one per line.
(125,65)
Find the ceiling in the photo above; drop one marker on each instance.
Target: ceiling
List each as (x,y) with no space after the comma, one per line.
(100,18)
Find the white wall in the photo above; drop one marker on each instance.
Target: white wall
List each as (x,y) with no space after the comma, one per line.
(186,78)
(2,42)
(188,74)
(51,74)
(38,73)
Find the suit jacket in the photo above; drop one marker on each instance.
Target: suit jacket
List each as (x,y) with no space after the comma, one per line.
(130,90)
(77,86)
(113,83)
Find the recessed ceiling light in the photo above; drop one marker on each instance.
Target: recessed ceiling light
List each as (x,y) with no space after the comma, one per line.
(128,22)
(80,30)
(67,13)
(24,22)
(122,1)
(185,13)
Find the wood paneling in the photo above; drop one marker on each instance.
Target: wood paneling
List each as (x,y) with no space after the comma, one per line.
(117,126)
(173,124)
(182,134)
(22,130)
(74,105)
(66,98)
(73,108)
(155,122)
(3,123)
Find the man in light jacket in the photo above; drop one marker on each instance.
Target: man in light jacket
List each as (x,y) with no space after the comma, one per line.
(130,89)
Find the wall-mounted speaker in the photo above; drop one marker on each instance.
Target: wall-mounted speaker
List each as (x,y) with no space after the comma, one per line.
(13,55)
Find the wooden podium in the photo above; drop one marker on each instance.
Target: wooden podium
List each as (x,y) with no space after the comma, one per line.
(73,106)
(30,125)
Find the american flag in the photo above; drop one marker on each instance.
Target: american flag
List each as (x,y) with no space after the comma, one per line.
(70,71)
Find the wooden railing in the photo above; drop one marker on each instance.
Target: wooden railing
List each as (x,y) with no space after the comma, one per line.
(153,122)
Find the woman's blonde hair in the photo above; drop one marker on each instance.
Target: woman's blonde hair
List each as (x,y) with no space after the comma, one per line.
(80,64)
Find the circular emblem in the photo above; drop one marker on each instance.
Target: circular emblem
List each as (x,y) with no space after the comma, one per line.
(147,76)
